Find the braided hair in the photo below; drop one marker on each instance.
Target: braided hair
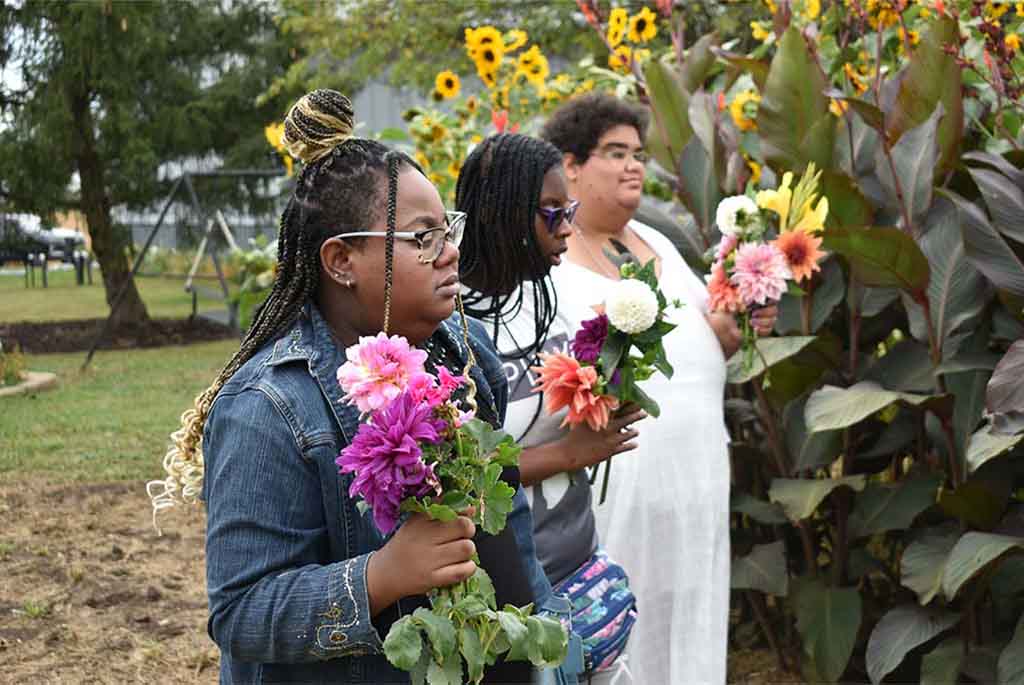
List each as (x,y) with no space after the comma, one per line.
(339,189)
(499,189)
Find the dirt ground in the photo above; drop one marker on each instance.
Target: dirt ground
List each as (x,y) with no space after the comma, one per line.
(77,335)
(90,594)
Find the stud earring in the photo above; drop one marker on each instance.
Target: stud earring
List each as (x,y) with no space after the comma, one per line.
(348,283)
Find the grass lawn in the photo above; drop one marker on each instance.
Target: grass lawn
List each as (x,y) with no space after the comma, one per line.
(109,423)
(164,297)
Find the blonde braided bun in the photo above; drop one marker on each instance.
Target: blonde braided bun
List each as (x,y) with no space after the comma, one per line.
(319,122)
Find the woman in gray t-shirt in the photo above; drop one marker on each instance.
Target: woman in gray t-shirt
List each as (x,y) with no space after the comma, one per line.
(519,215)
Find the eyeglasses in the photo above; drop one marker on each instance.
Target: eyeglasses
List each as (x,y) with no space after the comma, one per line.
(619,154)
(430,241)
(553,217)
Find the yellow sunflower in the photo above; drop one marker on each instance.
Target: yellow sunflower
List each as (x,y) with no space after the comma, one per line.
(838,107)
(488,57)
(472,104)
(619,18)
(620,59)
(1013,42)
(641,55)
(537,71)
(454,168)
(514,40)
(490,78)
(422,160)
(447,84)
(527,58)
(274,134)
(615,36)
(759,30)
(643,26)
(744,110)
(438,131)
(476,139)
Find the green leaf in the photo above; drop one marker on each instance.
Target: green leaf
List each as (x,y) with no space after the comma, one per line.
(907,367)
(828,293)
(986,249)
(941,666)
(923,561)
(774,351)
(881,507)
(828,620)
(833,408)
(439,630)
(698,182)
(847,206)
(393,135)
(799,498)
(901,630)
(612,351)
(473,652)
(1004,397)
(447,673)
(875,300)
(755,68)
(698,62)
(485,435)
(869,114)
(403,644)
(497,506)
(985,445)
(515,630)
(484,587)
(932,77)
(793,105)
(470,607)
(956,290)
(670,104)
(808,450)
(763,512)
(441,512)
(764,569)
(547,641)
(881,257)
(975,501)
(894,437)
(456,499)
(1005,202)
(972,553)
(1011,660)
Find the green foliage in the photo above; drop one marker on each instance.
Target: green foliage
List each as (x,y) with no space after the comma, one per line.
(12,366)
(881,437)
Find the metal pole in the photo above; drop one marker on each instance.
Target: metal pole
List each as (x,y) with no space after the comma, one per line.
(135,268)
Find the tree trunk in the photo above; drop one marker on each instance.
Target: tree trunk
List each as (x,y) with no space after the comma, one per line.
(107,243)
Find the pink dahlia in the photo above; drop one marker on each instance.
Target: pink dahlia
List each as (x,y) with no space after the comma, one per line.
(435,391)
(378,370)
(387,458)
(726,245)
(722,294)
(759,273)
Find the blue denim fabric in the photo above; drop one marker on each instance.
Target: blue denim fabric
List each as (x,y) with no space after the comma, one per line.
(286,547)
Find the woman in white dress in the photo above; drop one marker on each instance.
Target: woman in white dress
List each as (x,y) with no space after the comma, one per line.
(666,517)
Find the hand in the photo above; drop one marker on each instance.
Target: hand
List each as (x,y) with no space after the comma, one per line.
(584,447)
(763,319)
(726,330)
(423,554)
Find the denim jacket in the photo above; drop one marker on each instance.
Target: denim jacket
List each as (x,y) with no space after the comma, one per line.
(286,548)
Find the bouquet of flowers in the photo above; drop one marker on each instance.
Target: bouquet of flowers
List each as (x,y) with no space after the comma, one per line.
(768,244)
(419,452)
(611,354)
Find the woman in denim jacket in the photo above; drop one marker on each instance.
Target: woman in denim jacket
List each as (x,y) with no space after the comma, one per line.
(301,585)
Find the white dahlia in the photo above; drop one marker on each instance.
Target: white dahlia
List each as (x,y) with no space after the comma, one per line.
(734,214)
(632,307)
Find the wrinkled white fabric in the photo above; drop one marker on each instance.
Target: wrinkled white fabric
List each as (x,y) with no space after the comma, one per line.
(666,518)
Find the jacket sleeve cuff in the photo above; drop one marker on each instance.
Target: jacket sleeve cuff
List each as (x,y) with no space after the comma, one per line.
(345,627)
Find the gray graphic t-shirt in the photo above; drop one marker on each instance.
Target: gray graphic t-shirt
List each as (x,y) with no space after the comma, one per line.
(563,521)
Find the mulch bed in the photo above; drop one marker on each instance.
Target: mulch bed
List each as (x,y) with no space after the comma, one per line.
(42,337)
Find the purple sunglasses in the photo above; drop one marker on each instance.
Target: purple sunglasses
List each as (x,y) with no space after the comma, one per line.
(553,217)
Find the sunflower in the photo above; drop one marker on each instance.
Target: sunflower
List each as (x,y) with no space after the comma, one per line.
(514,40)
(438,131)
(618,19)
(483,36)
(476,139)
(643,26)
(490,78)
(527,58)
(744,110)
(447,84)
(422,160)
(488,57)
(274,134)
(641,55)
(1012,41)
(537,72)
(838,107)
(759,30)
(436,96)
(454,168)
(755,171)
(811,9)
(620,59)
(472,104)
(615,35)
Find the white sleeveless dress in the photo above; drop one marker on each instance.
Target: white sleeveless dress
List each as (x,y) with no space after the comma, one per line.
(666,517)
